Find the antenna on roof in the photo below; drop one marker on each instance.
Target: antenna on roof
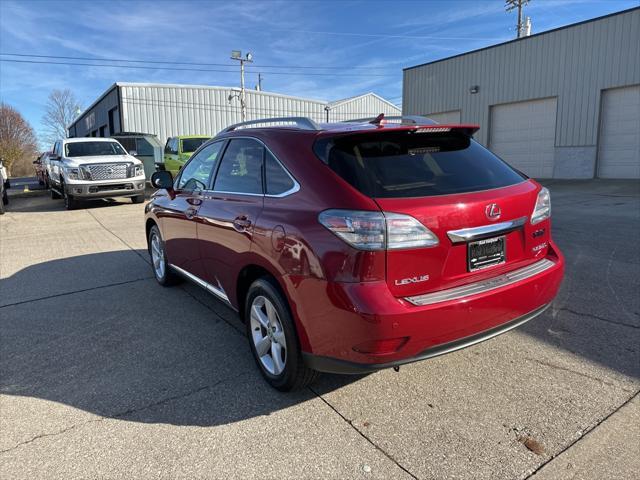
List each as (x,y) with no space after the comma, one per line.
(377,120)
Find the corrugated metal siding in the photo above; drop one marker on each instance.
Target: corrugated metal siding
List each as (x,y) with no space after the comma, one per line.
(360,107)
(573,64)
(170,110)
(191,110)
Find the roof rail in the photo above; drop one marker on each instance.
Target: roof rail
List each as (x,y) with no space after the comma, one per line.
(302,123)
(403,119)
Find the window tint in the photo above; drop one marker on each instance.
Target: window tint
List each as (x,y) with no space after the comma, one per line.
(143,147)
(190,145)
(409,164)
(195,174)
(241,167)
(278,180)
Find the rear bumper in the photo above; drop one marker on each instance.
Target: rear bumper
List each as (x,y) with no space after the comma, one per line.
(336,317)
(334,365)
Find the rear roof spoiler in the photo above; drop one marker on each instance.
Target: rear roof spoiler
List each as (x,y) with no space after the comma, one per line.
(423,124)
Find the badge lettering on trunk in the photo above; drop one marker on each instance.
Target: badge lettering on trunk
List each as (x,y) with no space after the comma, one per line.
(407,281)
(493,211)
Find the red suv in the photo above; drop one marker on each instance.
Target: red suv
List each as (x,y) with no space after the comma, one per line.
(353,247)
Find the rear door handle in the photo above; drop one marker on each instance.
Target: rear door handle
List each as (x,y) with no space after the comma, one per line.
(241,223)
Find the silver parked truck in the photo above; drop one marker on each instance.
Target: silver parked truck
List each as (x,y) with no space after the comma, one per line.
(93,168)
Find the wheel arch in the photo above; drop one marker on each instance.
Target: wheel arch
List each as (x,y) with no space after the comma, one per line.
(249,274)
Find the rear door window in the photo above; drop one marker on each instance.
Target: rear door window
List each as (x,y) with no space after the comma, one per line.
(241,167)
(278,181)
(400,164)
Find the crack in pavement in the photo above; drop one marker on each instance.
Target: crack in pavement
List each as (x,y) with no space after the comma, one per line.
(583,435)
(127,412)
(143,257)
(63,294)
(350,423)
(597,317)
(565,369)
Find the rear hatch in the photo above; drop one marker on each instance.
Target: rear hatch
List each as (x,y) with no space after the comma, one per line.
(476,204)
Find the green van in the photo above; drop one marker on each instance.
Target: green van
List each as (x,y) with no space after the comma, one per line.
(179,149)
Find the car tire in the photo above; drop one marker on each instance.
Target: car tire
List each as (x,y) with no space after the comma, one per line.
(137,199)
(5,198)
(159,263)
(70,202)
(2,205)
(282,364)
(54,195)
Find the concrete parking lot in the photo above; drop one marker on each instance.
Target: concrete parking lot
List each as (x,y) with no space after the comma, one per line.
(105,374)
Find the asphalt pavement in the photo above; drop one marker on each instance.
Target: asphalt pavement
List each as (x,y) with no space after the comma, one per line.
(105,374)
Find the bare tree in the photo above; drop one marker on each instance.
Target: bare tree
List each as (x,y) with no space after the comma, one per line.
(18,145)
(62,108)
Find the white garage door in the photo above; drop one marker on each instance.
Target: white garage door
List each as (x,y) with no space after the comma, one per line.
(619,144)
(524,135)
(446,117)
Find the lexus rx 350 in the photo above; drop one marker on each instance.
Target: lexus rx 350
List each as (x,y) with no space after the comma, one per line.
(353,247)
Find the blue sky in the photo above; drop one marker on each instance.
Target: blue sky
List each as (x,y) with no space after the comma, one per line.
(376,36)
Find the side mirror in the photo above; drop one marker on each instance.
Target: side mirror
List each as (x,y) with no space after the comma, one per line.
(35,162)
(162,179)
(133,153)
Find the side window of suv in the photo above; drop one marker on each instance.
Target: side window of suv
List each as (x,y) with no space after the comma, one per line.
(241,167)
(196,174)
(278,181)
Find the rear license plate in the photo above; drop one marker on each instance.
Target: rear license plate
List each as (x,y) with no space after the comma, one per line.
(485,253)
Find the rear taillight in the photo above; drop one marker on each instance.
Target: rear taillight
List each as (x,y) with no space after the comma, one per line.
(378,230)
(542,210)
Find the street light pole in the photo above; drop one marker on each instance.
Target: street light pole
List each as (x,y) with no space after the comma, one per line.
(513,4)
(237,55)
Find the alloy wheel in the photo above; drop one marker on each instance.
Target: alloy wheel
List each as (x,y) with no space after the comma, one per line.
(157,256)
(268,335)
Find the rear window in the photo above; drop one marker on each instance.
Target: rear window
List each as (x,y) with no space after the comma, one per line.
(411,164)
(190,145)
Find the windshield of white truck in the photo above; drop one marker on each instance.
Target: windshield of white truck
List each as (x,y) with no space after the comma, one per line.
(89,149)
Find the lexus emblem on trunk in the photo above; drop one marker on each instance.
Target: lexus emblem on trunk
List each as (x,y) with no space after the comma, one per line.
(493,211)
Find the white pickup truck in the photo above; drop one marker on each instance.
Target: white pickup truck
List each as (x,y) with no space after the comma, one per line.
(92,168)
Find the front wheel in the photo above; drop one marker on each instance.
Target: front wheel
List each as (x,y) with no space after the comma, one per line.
(5,198)
(137,199)
(70,202)
(273,339)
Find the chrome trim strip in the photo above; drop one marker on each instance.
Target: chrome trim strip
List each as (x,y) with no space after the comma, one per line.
(485,231)
(217,291)
(482,286)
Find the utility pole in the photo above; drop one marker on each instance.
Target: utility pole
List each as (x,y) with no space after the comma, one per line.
(248,58)
(512,5)
(259,86)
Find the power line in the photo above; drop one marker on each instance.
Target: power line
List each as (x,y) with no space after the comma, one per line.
(160,62)
(143,67)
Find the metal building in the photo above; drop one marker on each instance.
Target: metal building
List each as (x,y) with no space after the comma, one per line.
(171,110)
(559,104)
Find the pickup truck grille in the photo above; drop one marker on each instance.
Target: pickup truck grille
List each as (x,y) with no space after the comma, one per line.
(108,171)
